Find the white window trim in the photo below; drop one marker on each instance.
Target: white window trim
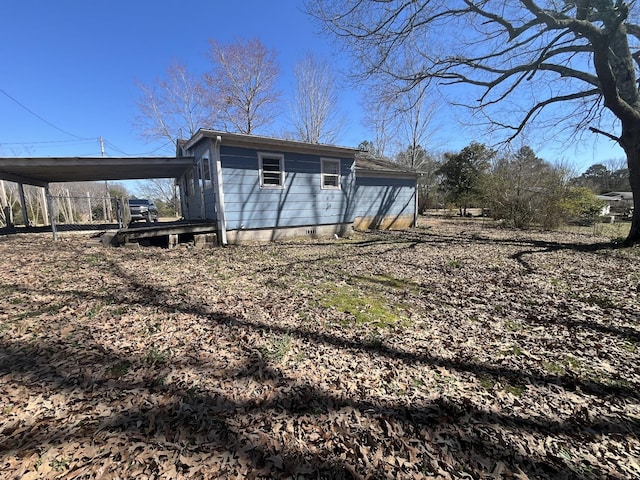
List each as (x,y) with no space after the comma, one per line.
(322,174)
(206,167)
(278,156)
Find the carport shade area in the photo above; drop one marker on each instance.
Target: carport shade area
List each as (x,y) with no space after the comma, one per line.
(44,170)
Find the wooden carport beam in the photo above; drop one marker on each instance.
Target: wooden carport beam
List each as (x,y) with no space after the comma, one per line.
(21,180)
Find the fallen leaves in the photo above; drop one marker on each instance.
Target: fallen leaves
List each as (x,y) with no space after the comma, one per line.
(453,352)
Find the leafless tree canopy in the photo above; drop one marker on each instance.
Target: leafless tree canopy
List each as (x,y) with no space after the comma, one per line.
(512,63)
(315,105)
(517,52)
(174,107)
(243,85)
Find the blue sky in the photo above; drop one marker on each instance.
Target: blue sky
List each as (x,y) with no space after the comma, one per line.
(75,65)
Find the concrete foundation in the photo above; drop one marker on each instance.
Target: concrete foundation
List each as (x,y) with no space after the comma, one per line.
(235,237)
(392,222)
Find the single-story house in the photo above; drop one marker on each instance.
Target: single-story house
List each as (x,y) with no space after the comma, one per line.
(616,202)
(263,188)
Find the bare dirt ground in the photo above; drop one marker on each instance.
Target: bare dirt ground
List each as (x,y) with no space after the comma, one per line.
(452,351)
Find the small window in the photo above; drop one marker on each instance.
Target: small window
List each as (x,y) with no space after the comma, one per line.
(271,170)
(206,171)
(330,173)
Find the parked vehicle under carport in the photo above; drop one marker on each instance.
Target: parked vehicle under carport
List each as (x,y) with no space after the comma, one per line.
(143,209)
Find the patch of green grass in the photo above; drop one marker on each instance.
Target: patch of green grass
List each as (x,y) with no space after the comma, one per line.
(119,369)
(600,301)
(512,350)
(513,326)
(59,465)
(40,460)
(193,394)
(47,310)
(7,289)
(571,362)
(155,357)
(611,230)
(95,260)
(119,310)
(277,348)
(94,310)
(455,264)
(151,329)
(417,382)
(366,309)
(553,367)
(618,383)
(630,346)
(278,284)
(375,339)
(158,382)
(516,390)
(487,383)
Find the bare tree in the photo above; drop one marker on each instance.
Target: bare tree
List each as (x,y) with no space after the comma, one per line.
(315,112)
(379,116)
(164,192)
(571,62)
(243,84)
(173,107)
(415,116)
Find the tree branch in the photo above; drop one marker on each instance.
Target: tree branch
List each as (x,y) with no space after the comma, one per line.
(606,134)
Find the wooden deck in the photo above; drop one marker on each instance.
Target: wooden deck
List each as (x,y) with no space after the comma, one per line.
(170,232)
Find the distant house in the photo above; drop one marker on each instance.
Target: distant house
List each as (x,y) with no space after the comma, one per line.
(617,203)
(263,188)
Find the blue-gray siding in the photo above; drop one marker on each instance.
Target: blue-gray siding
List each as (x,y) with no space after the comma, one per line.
(302,201)
(382,197)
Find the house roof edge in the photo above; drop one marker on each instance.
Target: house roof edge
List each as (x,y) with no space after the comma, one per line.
(257,141)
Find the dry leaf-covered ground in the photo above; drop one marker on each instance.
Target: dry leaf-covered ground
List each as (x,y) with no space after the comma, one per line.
(456,351)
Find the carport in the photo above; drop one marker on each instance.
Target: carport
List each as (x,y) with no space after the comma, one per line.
(42,171)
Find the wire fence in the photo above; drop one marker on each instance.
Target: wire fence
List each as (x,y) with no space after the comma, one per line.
(38,210)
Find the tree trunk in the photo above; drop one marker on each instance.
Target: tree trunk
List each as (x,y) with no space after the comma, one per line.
(630,142)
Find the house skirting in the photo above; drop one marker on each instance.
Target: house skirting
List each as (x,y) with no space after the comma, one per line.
(389,222)
(274,234)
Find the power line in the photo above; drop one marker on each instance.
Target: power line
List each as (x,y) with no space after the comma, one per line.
(49,142)
(113,147)
(40,118)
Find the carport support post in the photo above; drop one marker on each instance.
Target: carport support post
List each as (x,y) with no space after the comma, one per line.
(23,205)
(45,205)
(415,205)
(6,210)
(52,219)
(220,213)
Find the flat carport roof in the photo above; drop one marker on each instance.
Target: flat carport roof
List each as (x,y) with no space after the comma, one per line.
(43,170)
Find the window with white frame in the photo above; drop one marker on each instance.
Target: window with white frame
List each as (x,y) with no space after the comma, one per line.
(330,173)
(271,170)
(206,171)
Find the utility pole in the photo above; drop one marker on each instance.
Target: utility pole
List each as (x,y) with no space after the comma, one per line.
(106,204)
